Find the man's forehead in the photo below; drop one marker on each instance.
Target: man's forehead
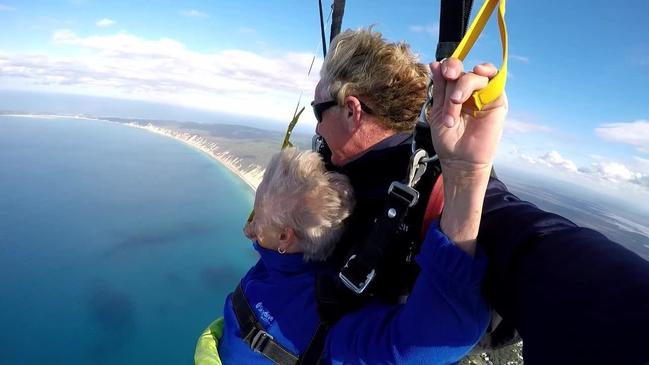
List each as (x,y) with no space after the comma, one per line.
(320,93)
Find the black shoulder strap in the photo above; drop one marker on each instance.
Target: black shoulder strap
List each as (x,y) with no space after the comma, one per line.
(453,21)
(360,268)
(254,334)
(312,355)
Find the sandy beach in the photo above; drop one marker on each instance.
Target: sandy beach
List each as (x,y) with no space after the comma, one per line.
(251,175)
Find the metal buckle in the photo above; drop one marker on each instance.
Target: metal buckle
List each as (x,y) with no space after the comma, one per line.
(423,114)
(417,167)
(345,272)
(404,192)
(259,340)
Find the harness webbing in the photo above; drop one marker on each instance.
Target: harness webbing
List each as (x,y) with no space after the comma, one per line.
(254,334)
(453,21)
(360,268)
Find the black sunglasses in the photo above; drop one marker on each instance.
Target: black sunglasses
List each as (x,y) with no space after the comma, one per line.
(320,108)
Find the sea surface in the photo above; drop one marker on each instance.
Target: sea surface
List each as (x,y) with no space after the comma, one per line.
(117,246)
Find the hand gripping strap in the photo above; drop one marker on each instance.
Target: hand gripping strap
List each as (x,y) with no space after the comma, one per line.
(496,85)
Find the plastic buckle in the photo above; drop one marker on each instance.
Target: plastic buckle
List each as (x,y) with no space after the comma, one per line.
(259,340)
(356,283)
(405,192)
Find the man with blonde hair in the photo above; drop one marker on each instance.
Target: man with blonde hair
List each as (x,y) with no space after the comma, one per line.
(572,294)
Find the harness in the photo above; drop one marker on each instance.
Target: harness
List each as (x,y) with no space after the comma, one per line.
(401,214)
(395,235)
(260,341)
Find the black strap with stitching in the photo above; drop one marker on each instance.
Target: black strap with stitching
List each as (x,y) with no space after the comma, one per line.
(453,21)
(254,334)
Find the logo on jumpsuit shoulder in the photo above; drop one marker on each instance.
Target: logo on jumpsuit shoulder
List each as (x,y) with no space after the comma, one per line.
(264,314)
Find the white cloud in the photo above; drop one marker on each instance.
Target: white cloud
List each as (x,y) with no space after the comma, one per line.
(516,126)
(194,13)
(164,70)
(4,7)
(432,30)
(104,23)
(552,159)
(121,44)
(642,164)
(634,133)
(522,59)
(604,171)
(611,171)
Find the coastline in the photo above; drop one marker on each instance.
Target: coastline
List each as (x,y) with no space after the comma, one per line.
(52,116)
(250,175)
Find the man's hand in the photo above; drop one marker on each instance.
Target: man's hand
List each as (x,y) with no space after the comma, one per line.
(466,143)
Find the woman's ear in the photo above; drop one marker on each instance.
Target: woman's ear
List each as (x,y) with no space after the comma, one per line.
(287,237)
(288,241)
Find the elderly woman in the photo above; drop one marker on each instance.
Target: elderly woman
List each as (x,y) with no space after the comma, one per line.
(300,209)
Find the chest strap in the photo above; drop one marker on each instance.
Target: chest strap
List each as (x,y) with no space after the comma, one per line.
(254,334)
(360,268)
(262,342)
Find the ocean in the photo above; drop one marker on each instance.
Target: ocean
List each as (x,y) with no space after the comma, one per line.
(117,246)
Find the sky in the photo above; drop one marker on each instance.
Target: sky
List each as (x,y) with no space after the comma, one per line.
(577,82)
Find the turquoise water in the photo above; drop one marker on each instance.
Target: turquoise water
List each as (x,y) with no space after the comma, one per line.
(117,246)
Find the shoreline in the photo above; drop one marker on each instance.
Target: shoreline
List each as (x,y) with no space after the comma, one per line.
(53,116)
(250,176)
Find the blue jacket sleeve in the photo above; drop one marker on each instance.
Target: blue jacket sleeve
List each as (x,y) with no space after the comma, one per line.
(442,319)
(573,295)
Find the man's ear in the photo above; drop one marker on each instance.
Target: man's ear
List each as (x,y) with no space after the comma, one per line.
(353,112)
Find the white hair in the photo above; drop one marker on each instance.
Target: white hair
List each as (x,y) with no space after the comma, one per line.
(300,193)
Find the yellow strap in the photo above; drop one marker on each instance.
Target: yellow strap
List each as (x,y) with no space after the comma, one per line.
(285,143)
(296,115)
(496,85)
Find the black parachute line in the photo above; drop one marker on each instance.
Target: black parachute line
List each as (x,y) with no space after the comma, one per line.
(337,18)
(322,30)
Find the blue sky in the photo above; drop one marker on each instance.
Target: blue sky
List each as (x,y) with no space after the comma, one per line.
(577,83)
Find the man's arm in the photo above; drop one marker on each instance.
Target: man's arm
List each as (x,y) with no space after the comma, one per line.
(573,294)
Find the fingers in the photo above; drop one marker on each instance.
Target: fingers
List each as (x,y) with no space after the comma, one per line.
(462,89)
(486,70)
(452,68)
(439,85)
(448,70)
(453,87)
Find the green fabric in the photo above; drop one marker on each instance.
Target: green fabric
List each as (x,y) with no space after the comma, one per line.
(207,352)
